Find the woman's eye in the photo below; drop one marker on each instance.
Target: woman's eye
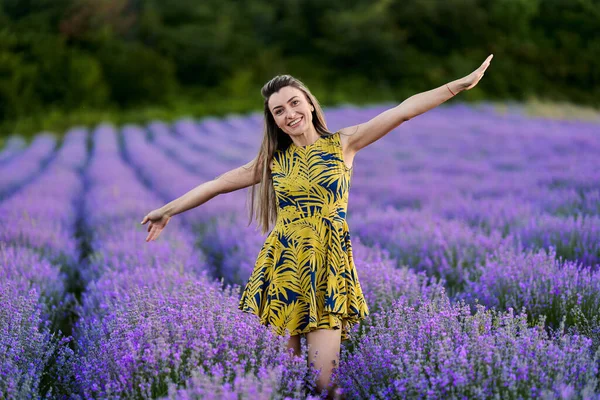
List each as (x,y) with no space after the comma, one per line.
(296,101)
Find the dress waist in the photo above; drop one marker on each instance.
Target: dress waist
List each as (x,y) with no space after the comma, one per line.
(291,214)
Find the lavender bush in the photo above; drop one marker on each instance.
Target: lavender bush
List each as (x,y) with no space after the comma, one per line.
(540,281)
(265,384)
(27,346)
(25,269)
(149,338)
(575,238)
(383,282)
(443,248)
(440,350)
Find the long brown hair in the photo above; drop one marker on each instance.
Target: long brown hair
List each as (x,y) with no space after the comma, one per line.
(273,139)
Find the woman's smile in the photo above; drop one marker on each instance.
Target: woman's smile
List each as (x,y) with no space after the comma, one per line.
(296,122)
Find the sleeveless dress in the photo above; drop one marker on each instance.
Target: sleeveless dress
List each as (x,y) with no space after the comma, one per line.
(304,277)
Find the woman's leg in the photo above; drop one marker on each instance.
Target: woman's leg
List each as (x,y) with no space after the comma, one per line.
(324,350)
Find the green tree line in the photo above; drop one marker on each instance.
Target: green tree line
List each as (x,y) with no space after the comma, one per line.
(75,56)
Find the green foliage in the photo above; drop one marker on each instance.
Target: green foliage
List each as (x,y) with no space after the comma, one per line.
(39,71)
(86,81)
(17,95)
(137,75)
(91,57)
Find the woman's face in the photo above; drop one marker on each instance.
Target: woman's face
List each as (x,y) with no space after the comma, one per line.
(290,106)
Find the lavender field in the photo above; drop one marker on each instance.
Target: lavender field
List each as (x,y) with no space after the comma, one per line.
(476,237)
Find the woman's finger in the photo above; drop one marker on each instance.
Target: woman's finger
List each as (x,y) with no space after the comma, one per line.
(487,61)
(151,235)
(144,220)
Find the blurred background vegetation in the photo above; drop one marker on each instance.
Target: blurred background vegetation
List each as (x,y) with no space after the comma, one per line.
(78,62)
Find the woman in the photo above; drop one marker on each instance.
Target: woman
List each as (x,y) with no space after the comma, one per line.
(305,280)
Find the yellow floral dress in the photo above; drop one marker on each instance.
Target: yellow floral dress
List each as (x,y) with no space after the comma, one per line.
(304,277)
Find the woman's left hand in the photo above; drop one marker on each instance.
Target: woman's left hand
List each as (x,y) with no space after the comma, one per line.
(473,78)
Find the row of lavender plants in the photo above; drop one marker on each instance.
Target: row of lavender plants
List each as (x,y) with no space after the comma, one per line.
(17,171)
(13,146)
(38,253)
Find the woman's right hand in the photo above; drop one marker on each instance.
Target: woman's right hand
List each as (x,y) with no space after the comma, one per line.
(158,220)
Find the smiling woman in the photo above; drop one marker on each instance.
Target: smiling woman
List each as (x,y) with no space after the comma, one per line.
(304,281)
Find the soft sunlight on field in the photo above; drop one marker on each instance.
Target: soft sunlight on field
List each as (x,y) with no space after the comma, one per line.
(461,219)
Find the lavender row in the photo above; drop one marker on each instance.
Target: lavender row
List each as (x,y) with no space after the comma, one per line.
(161,327)
(12,147)
(42,214)
(212,137)
(23,167)
(26,269)
(170,180)
(178,150)
(115,203)
(447,249)
(227,244)
(38,225)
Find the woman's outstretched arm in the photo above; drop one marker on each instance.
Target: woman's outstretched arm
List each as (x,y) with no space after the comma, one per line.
(362,135)
(229,181)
